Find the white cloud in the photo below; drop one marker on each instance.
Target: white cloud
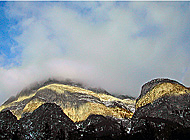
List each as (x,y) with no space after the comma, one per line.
(111,46)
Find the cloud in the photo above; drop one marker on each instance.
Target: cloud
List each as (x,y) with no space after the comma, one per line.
(114,45)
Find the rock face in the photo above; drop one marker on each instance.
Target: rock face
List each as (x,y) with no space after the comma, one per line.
(100,127)
(76,101)
(56,111)
(8,125)
(48,121)
(162,109)
(65,110)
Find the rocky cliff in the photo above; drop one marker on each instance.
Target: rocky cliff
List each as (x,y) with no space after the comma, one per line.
(162,111)
(68,110)
(76,101)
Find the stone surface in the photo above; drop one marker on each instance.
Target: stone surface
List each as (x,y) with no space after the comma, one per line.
(48,121)
(100,127)
(164,115)
(76,100)
(9,125)
(49,111)
(151,84)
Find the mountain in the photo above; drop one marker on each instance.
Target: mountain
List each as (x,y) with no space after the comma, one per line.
(76,101)
(69,110)
(162,111)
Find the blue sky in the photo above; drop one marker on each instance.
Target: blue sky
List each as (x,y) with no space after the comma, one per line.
(114,45)
(6,38)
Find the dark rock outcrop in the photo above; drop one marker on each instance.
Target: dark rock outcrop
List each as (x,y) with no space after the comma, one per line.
(48,121)
(164,115)
(9,126)
(100,127)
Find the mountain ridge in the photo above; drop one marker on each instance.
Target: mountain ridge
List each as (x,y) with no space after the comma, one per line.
(162,111)
(72,97)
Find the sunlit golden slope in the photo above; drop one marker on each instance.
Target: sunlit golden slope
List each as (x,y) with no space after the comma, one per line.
(95,103)
(160,90)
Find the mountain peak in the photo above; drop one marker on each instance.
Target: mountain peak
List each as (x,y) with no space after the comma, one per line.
(66,110)
(76,100)
(158,88)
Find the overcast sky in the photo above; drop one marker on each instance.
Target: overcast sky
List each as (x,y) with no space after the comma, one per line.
(114,45)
